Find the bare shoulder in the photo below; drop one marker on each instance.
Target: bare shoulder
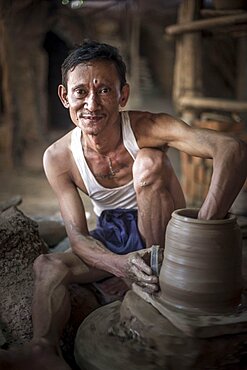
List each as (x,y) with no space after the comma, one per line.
(57,158)
(58,151)
(149,127)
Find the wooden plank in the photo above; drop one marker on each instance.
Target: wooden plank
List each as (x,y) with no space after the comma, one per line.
(206,24)
(213,103)
(207,13)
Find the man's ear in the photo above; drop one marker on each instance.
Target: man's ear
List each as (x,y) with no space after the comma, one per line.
(124,95)
(62,93)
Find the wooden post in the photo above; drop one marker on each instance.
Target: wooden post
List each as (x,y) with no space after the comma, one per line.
(6,124)
(23,65)
(241,90)
(187,71)
(188,82)
(135,52)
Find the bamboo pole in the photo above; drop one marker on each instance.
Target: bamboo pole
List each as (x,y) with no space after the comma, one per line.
(212,103)
(205,24)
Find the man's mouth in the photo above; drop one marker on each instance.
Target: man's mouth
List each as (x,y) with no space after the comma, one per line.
(91,117)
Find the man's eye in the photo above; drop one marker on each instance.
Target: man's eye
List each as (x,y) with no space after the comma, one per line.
(104,90)
(80,92)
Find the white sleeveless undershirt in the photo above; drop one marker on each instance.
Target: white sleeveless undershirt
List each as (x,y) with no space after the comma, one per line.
(106,198)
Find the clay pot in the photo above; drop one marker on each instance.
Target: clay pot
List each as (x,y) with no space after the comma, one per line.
(201,270)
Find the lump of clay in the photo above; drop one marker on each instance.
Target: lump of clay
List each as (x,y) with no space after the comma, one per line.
(20,245)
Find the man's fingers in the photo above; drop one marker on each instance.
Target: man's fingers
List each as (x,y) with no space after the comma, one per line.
(140,276)
(149,288)
(141,265)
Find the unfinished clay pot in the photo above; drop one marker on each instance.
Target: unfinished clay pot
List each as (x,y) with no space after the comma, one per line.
(201,270)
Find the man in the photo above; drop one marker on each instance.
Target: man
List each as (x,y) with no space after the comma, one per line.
(119,160)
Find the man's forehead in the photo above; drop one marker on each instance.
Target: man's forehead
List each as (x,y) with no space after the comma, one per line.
(98,70)
(97,65)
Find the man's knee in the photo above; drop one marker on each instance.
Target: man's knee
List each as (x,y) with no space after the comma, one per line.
(148,168)
(49,266)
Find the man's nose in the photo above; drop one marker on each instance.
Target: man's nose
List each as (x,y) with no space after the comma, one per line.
(91,101)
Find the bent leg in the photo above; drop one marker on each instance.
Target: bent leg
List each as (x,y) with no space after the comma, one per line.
(51,310)
(158,194)
(51,301)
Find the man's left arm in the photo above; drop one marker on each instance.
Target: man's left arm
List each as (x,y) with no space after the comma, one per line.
(229,174)
(229,155)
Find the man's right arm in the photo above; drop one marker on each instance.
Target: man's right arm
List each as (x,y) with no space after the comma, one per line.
(57,171)
(90,250)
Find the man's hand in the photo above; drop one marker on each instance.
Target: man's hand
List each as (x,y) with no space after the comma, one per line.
(136,270)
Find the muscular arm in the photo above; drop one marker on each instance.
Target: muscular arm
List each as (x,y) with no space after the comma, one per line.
(229,157)
(72,209)
(229,169)
(90,250)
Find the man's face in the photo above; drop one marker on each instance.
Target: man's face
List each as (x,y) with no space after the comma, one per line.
(93,95)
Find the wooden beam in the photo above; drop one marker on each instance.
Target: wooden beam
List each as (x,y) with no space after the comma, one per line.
(212,13)
(212,103)
(205,24)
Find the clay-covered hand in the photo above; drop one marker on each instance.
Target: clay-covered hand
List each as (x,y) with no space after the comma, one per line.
(137,271)
(153,257)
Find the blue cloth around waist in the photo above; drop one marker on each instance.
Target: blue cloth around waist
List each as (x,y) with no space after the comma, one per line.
(117,229)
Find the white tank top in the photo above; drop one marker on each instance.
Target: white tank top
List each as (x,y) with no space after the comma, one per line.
(106,198)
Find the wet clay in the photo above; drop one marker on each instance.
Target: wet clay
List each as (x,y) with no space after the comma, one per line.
(134,335)
(201,270)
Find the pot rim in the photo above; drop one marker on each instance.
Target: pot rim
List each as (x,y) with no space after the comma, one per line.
(189,215)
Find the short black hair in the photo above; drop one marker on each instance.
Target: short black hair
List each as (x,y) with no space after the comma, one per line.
(93,50)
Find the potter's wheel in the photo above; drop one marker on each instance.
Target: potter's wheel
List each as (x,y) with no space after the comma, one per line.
(198,324)
(133,335)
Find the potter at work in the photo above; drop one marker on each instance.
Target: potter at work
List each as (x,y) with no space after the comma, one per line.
(119,159)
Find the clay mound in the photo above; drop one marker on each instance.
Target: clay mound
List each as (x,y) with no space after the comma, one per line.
(20,245)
